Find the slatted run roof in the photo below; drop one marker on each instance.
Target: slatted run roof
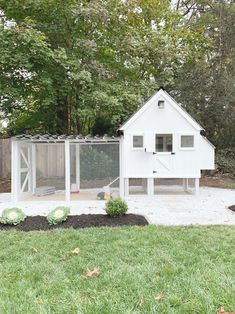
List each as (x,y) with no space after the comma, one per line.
(55,138)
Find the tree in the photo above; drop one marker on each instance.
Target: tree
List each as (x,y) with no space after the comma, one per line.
(207,85)
(82,61)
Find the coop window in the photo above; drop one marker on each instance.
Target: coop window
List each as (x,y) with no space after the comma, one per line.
(163,143)
(187,141)
(138,141)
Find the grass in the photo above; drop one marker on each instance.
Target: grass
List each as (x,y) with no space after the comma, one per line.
(192,266)
(229,185)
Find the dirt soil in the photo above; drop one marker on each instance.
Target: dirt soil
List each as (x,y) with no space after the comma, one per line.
(218,181)
(5,185)
(78,222)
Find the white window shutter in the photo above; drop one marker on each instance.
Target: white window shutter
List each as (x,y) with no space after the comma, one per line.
(149,142)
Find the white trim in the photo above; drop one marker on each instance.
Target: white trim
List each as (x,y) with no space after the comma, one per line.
(174,104)
(15,175)
(24,170)
(34,168)
(26,180)
(185,184)
(150,186)
(24,157)
(67,171)
(77,150)
(121,164)
(126,186)
(197,187)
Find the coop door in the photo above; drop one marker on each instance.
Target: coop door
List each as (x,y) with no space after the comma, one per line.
(163,163)
(24,153)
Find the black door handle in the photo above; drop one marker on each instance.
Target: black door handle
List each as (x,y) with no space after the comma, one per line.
(154,171)
(154,153)
(172,153)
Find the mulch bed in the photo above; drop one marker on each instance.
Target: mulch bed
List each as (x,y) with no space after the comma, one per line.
(78,222)
(232,207)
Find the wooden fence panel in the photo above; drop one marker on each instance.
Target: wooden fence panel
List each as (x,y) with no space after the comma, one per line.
(50,160)
(5,157)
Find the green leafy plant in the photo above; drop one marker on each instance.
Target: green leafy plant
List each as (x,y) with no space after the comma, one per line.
(58,215)
(95,163)
(225,160)
(12,216)
(116,207)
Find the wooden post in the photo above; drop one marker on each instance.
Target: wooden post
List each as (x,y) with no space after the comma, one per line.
(196,186)
(33,168)
(15,171)
(67,170)
(78,174)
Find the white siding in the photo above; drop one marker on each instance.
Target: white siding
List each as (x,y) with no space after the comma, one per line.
(207,155)
(184,163)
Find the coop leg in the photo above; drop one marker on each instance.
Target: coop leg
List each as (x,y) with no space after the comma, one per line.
(126,186)
(150,186)
(197,186)
(185,184)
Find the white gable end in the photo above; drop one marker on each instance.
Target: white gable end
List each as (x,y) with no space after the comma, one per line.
(150,117)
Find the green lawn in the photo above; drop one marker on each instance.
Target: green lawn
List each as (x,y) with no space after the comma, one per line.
(194,268)
(230,185)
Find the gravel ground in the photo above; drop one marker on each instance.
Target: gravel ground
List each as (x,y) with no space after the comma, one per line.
(209,208)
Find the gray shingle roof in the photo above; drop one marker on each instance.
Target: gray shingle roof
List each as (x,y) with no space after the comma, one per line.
(53,138)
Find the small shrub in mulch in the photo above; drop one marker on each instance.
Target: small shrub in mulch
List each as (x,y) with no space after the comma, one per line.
(32,223)
(232,207)
(58,215)
(116,207)
(12,216)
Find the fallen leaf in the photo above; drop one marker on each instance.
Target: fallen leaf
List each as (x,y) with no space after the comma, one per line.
(141,302)
(91,273)
(38,301)
(159,297)
(222,311)
(76,251)
(35,250)
(69,255)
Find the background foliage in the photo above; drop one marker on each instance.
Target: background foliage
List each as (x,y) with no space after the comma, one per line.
(85,66)
(99,162)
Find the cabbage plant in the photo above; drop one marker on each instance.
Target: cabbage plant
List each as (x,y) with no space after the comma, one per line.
(12,216)
(57,215)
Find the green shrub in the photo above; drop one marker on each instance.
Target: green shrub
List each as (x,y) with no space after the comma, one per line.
(58,215)
(225,161)
(116,207)
(12,216)
(99,161)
